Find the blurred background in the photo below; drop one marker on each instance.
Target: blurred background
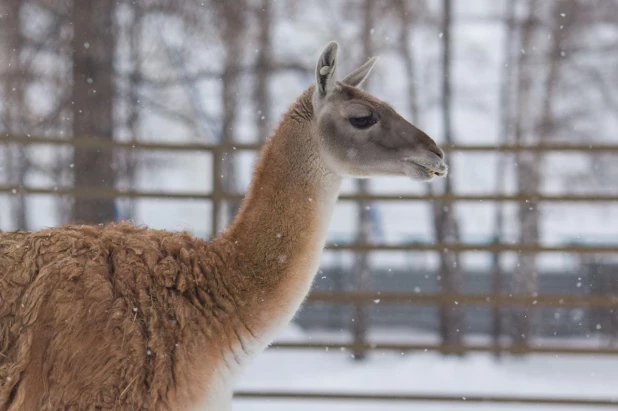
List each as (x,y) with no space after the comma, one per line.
(495,288)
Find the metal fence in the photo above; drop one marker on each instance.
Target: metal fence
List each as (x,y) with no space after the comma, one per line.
(494,299)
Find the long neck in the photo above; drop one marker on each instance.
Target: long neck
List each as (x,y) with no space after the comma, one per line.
(280,230)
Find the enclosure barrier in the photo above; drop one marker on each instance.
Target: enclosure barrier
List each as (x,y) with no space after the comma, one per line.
(489,399)
(495,299)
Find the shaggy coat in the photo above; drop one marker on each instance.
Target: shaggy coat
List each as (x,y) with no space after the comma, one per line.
(122,317)
(111,317)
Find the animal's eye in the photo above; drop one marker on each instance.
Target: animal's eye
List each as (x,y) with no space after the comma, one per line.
(362,122)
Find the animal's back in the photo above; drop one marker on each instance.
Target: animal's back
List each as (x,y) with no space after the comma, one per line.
(109,316)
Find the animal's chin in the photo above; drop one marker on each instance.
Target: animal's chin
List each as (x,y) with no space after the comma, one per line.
(418,172)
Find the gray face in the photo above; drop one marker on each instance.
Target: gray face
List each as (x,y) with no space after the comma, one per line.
(361,136)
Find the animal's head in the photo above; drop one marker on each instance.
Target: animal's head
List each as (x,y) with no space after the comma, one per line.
(362,136)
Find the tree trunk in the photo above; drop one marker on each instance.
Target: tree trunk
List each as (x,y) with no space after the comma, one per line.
(15,116)
(362,273)
(525,276)
(133,118)
(505,97)
(445,224)
(529,170)
(403,46)
(446,227)
(261,95)
(233,27)
(93,102)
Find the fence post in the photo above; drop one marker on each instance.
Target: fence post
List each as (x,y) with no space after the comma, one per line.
(362,277)
(496,285)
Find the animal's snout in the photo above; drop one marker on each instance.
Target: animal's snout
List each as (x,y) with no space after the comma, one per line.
(436,166)
(437,150)
(428,144)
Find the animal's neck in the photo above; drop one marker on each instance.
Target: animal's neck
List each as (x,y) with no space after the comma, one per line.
(281,229)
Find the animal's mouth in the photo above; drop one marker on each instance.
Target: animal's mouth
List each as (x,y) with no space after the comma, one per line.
(434,170)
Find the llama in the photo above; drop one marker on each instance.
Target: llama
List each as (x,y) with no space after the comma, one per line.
(125,317)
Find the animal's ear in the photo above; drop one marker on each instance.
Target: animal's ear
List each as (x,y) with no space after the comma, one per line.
(325,70)
(359,75)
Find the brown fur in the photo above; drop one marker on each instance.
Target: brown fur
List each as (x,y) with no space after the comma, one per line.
(81,307)
(122,317)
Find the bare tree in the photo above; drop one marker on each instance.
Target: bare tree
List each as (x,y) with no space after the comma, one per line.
(362,272)
(506,126)
(15,116)
(534,126)
(263,68)
(525,276)
(232,20)
(445,223)
(128,160)
(93,102)
(406,11)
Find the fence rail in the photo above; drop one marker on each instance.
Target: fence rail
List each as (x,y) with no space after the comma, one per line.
(217,195)
(448,348)
(106,193)
(102,144)
(599,301)
(461,399)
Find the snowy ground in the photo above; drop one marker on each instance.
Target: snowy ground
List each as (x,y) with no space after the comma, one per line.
(587,377)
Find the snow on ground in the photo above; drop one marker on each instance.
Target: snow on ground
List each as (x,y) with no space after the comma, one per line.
(593,377)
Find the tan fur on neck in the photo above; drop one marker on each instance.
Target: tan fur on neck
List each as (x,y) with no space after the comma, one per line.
(130,318)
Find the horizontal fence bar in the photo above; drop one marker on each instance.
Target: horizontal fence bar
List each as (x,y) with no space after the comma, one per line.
(483,197)
(101,193)
(116,193)
(599,301)
(398,397)
(462,399)
(446,348)
(104,144)
(565,147)
(490,248)
(107,193)
(493,248)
